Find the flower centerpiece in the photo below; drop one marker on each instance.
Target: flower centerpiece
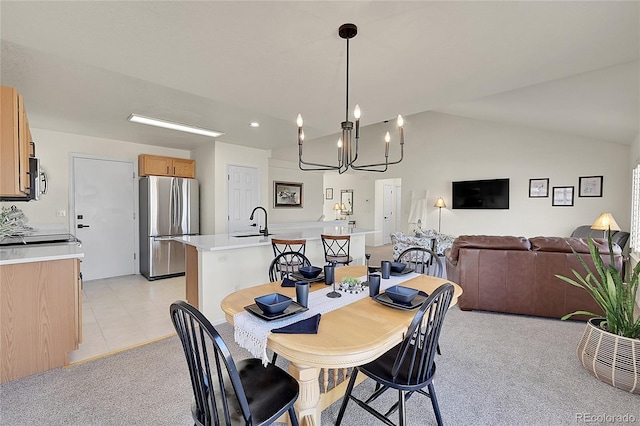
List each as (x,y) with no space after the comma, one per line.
(610,346)
(351,285)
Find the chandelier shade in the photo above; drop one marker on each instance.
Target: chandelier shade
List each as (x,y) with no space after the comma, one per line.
(348,142)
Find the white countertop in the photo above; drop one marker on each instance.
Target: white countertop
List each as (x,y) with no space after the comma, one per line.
(228,241)
(39,253)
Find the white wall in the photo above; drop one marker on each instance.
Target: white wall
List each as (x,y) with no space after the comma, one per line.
(441,148)
(226,154)
(363,188)
(53,149)
(312,193)
(205,173)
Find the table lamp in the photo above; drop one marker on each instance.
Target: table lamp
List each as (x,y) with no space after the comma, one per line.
(336,207)
(439,204)
(606,223)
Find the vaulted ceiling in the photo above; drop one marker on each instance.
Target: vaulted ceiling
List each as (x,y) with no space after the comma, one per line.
(84,67)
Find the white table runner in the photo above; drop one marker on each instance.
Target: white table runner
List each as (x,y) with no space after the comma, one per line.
(252,332)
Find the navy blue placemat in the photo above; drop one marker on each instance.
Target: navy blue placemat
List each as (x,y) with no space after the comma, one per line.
(305,326)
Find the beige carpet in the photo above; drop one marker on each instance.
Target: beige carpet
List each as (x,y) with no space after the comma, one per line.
(495,369)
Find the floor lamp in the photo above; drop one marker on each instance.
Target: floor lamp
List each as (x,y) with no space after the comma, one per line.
(605,222)
(439,204)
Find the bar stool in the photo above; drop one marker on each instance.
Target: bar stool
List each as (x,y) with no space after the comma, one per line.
(286,246)
(336,249)
(280,246)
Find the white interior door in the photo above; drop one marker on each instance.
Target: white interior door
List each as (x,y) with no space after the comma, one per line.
(387,212)
(244,195)
(103,216)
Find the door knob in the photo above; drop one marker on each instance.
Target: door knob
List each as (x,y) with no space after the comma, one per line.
(80,226)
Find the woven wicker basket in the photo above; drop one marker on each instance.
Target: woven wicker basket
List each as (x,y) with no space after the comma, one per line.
(611,358)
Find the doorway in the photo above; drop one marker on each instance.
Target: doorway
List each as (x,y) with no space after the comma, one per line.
(387,209)
(103,215)
(244,195)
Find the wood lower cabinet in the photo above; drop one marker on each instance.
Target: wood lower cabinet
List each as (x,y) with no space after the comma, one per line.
(40,316)
(155,165)
(16,145)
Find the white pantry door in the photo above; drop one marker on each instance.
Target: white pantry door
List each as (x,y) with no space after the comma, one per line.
(244,195)
(103,217)
(387,211)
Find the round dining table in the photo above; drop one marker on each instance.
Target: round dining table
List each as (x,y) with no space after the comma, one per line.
(351,335)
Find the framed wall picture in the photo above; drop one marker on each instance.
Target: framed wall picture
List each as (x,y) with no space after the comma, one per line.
(287,194)
(538,188)
(346,199)
(590,186)
(562,196)
(328,194)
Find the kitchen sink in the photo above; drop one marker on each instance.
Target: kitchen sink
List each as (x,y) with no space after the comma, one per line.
(249,235)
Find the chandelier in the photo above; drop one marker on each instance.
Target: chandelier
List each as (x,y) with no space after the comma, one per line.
(347,146)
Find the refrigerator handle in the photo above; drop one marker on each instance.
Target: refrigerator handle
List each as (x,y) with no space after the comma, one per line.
(180,211)
(172,207)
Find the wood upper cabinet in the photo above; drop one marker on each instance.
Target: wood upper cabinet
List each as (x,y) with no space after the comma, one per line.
(16,145)
(155,165)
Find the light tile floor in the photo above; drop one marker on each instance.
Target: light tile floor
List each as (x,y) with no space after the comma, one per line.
(122,312)
(125,311)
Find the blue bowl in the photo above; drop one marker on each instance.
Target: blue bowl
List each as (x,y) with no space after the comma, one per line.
(397,266)
(309,271)
(400,294)
(273,303)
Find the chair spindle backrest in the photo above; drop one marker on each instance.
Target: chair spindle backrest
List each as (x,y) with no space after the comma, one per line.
(219,395)
(285,264)
(417,351)
(423,260)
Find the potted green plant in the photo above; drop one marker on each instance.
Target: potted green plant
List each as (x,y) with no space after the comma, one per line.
(610,346)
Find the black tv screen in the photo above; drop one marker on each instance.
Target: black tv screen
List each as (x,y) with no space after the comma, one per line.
(481,194)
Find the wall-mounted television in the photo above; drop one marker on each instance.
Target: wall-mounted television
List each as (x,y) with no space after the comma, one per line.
(481,194)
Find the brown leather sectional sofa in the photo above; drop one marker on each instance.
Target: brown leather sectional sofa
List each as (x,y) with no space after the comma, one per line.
(517,275)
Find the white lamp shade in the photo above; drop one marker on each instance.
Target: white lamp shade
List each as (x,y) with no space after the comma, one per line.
(606,222)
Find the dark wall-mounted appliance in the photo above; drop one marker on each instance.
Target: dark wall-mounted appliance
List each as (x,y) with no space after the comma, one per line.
(37,183)
(481,194)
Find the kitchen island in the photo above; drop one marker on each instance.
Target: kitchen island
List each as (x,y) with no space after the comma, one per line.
(218,265)
(40,308)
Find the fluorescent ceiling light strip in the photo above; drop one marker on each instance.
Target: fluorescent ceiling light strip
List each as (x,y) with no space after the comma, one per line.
(174,126)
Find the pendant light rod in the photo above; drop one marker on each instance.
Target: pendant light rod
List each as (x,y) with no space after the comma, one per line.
(347,146)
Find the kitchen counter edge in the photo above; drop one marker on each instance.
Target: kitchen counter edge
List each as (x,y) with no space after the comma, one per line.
(27,254)
(229,242)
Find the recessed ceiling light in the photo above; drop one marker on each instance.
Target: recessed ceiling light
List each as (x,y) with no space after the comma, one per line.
(255,124)
(135,118)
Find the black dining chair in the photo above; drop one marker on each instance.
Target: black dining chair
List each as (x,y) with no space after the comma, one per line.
(336,249)
(422,260)
(284,264)
(409,366)
(227,392)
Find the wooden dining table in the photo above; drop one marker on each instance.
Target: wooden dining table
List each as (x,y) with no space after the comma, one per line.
(349,336)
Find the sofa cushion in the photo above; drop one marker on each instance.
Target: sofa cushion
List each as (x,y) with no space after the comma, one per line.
(489,242)
(570,244)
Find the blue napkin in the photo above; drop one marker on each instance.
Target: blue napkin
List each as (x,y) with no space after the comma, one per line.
(305,326)
(286,282)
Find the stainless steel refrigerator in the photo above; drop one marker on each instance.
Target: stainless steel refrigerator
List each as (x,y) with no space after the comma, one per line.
(169,207)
